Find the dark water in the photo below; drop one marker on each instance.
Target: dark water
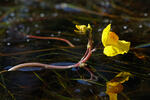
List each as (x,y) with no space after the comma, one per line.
(18,18)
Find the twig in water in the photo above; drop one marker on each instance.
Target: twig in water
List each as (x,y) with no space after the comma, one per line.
(54,38)
(46,66)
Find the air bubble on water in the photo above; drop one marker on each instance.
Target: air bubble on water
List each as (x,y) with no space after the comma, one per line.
(31,19)
(125,27)
(76,39)
(59,33)
(48,42)
(52,35)
(107,4)
(28,40)
(99,30)
(16,29)
(145,14)
(55,14)
(7,31)
(106,20)
(103,3)
(110,21)
(140,26)
(36,25)
(8,44)
(26,10)
(42,15)
(12,14)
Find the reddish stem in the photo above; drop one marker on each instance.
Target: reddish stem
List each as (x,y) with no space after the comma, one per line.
(91,73)
(35,64)
(54,38)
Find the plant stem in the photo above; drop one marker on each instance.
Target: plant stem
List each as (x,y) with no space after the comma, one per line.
(54,38)
(46,66)
(85,57)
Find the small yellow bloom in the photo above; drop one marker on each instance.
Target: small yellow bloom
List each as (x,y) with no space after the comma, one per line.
(114,86)
(82,29)
(119,78)
(113,46)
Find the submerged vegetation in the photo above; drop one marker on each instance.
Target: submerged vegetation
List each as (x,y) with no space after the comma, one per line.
(39,37)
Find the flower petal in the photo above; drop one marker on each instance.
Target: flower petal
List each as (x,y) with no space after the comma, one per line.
(81,29)
(123,46)
(114,86)
(105,34)
(111,51)
(120,47)
(112,38)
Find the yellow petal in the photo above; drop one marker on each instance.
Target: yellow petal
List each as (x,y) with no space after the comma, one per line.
(120,47)
(114,86)
(105,34)
(112,91)
(110,51)
(77,31)
(81,29)
(123,76)
(119,78)
(112,38)
(112,96)
(124,46)
(89,27)
(113,46)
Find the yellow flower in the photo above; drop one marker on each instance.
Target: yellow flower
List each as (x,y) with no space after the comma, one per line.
(82,29)
(113,46)
(119,78)
(114,86)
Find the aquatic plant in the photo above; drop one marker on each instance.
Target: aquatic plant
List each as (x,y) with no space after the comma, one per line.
(113,46)
(114,86)
(80,63)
